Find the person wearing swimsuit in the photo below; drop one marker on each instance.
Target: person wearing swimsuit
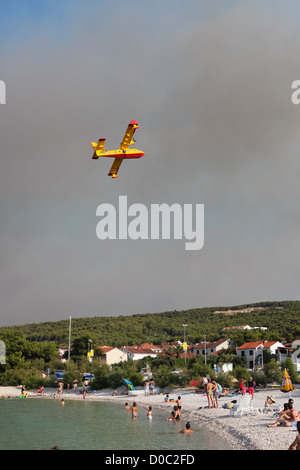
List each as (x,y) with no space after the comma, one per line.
(149,411)
(178,401)
(134,410)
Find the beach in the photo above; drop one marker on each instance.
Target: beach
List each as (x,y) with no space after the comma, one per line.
(248,432)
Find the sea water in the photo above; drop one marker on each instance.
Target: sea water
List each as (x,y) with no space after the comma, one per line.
(32,424)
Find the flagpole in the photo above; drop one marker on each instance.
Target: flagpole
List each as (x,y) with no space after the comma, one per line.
(69,348)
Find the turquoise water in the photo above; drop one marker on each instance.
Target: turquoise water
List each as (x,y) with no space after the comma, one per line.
(28,424)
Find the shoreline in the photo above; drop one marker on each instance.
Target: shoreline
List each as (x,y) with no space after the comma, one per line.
(248,432)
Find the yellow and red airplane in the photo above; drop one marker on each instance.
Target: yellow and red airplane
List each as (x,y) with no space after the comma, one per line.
(123,152)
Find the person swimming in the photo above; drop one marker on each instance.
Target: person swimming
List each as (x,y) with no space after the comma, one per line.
(187,428)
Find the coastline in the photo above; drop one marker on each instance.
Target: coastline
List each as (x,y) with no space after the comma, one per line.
(248,432)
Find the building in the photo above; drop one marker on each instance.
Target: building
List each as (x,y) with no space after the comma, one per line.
(244,327)
(112,355)
(139,352)
(239,327)
(210,347)
(252,350)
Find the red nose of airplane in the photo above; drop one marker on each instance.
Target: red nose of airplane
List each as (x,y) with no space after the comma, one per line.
(133,123)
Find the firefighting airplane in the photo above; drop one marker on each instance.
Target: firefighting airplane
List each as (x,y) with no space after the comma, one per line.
(123,152)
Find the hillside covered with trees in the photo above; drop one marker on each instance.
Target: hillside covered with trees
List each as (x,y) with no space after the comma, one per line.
(282,320)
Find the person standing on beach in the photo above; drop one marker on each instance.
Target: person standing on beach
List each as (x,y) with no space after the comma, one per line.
(146,388)
(75,384)
(152,387)
(251,385)
(215,394)
(210,388)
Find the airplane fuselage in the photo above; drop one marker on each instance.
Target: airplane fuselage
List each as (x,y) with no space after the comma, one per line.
(129,153)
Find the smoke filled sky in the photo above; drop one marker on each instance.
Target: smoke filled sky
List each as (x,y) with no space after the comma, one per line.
(210,86)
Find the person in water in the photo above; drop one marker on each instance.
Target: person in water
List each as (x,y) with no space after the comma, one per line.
(149,411)
(177,413)
(133,410)
(178,401)
(187,428)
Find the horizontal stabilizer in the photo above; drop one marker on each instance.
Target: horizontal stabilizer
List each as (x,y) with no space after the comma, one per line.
(98,147)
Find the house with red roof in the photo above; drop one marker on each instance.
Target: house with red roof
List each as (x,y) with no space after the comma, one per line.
(253,349)
(112,355)
(139,352)
(211,347)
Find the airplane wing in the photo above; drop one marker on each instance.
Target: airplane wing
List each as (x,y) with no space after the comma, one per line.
(99,148)
(115,167)
(127,139)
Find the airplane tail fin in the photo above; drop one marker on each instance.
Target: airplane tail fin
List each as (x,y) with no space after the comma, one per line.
(98,148)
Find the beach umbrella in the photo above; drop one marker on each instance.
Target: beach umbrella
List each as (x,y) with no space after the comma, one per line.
(286,385)
(129,384)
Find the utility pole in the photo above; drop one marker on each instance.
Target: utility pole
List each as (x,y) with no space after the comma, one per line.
(69,347)
(205,349)
(184,344)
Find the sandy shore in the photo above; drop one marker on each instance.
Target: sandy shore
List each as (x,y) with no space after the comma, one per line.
(248,432)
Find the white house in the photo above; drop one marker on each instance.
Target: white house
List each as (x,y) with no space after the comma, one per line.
(210,347)
(244,327)
(239,327)
(113,355)
(139,352)
(296,354)
(295,344)
(253,350)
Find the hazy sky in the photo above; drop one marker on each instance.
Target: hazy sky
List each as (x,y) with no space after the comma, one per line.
(210,86)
